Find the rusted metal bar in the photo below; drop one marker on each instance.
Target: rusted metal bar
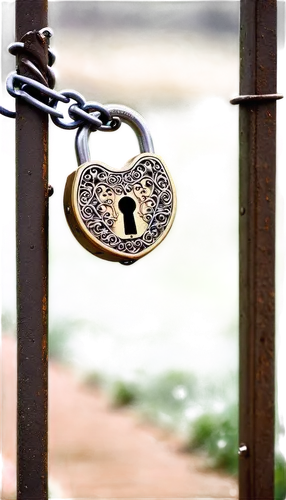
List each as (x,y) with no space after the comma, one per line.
(32,277)
(282,125)
(258,50)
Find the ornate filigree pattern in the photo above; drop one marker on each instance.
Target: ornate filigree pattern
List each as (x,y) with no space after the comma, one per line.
(148,181)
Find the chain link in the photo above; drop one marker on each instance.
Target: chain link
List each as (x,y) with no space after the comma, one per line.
(19,86)
(7,113)
(80,111)
(112,121)
(59,121)
(72,100)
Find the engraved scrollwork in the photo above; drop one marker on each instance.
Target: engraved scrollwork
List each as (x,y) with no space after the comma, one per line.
(166,198)
(144,188)
(106,198)
(128,178)
(134,246)
(147,209)
(86,195)
(162,181)
(118,190)
(150,185)
(96,227)
(88,212)
(113,179)
(148,238)
(87,177)
(143,191)
(102,176)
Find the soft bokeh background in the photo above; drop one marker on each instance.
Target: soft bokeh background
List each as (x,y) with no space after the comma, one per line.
(175,312)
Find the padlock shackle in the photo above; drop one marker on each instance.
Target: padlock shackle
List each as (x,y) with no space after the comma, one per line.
(128,116)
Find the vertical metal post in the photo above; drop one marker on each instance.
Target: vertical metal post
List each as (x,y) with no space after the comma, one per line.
(282,121)
(258,52)
(32,278)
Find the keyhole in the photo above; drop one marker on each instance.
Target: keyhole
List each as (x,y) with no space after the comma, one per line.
(127,206)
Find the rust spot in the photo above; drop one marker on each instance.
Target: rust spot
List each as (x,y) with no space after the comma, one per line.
(267,223)
(44,304)
(45,335)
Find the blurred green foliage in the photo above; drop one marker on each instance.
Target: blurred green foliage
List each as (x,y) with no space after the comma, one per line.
(204,413)
(52,494)
(8,323)
(63,329)
(66,328)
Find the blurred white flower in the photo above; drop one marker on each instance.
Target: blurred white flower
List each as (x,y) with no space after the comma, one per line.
(218,406)
(192,412)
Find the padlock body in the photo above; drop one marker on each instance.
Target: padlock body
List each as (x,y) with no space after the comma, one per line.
(121,215)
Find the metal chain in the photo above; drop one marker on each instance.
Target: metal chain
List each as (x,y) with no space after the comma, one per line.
(39,93)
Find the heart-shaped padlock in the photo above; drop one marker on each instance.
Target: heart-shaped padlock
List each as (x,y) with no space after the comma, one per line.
(120,215)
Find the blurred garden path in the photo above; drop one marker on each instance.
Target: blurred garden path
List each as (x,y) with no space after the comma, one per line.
(98,451)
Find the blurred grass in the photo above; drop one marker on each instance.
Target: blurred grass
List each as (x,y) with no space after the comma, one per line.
(60,335)
(54,490)
(66,328)
(8,323)
(203,413)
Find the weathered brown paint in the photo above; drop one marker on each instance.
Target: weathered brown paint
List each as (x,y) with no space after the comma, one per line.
(32,272)
(257,249)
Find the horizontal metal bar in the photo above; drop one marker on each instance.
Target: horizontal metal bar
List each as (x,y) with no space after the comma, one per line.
(245,99)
